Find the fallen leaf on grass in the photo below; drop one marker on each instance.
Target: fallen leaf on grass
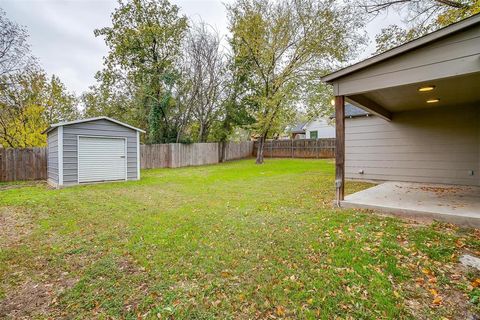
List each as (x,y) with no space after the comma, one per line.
(426,271)
(280,311)
(476,283)
(437,300)
(225,274)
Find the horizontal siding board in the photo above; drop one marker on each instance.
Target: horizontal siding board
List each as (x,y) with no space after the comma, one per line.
(106,133)
(418,156)
(407,164)
(420,137)
(434,148)
(415,172)
(407,178)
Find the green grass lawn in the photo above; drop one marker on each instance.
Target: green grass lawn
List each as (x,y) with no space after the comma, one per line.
(230,241)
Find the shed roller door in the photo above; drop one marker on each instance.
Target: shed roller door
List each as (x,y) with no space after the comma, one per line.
(101,159)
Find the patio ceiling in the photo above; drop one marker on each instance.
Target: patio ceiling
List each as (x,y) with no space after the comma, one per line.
(452,91)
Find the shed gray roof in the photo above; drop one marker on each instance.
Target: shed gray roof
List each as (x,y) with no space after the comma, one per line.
(66,123)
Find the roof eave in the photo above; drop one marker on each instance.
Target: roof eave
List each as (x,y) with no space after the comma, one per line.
(408,46)
(61,124)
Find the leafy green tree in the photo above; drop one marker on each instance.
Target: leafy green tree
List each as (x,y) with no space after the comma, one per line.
(283,45)
(239,96)
(234,110)
(145,42)
(29,104)
(29,101)
(105,101)
(60,105)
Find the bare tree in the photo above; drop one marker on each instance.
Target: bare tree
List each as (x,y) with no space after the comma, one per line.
(14,50)
(420,16)
(207,69)
(419,11)
(184,98)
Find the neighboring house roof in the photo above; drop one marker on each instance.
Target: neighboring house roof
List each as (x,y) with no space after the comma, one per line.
(408,46)
(299,128)
(352,111)
(66,123)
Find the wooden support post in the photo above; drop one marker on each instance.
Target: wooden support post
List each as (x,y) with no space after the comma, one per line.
(340,147)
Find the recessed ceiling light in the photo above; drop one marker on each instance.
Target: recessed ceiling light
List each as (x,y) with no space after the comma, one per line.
(433,100)
(426,88)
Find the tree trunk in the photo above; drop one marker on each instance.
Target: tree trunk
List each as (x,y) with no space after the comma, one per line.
(200,132)
(261,143)
(223,151)
(203,133)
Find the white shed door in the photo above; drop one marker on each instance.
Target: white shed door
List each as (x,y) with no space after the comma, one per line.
(101,159)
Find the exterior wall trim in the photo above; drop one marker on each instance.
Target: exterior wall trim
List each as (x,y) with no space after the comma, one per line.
(138,155)
(60,155)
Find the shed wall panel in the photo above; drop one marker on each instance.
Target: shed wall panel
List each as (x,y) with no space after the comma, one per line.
(52,157)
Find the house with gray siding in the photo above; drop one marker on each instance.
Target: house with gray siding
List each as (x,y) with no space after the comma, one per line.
(421,126)
(92,150)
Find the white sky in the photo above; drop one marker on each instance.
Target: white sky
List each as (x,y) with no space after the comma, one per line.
(61,32)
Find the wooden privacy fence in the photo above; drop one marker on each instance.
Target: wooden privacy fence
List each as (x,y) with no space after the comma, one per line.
(301,148)
(238,150)
(31,163)
(23,164)
(175,155)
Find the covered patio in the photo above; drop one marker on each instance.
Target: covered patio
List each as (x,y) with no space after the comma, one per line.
(450,203)
(422,133)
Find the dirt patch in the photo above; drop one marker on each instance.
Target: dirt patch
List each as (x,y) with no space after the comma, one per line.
(18,185)
(427,294)
(32,298)
(408,221)
(15,225)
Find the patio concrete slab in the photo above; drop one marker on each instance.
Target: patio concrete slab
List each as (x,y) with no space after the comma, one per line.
(449,203)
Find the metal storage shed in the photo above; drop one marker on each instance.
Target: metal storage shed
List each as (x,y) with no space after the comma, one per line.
(92,150)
